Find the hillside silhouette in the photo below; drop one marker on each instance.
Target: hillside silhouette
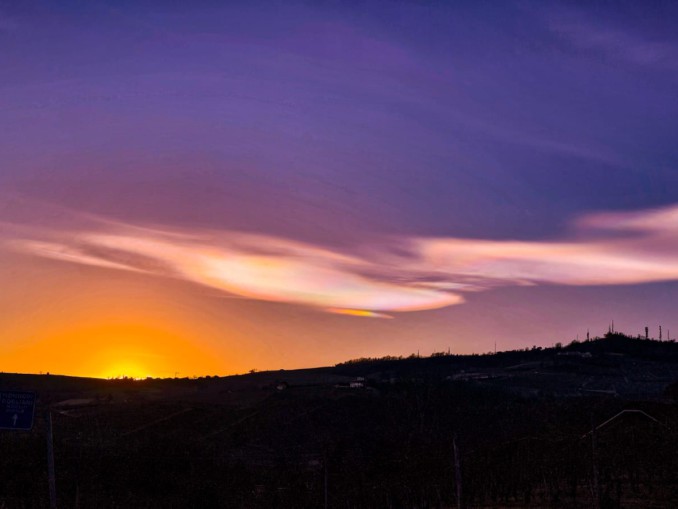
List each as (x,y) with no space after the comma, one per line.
(589,424)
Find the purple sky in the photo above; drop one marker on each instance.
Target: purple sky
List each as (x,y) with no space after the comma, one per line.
(476,170)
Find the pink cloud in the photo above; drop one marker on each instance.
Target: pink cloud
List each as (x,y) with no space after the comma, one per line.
(636,247)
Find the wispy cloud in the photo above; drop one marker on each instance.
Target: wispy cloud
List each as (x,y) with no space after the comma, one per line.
(428,273)
(252,266)
(614,43)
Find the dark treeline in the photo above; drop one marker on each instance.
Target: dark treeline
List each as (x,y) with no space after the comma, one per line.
(439,362)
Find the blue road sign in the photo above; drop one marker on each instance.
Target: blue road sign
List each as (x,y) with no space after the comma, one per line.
(16,410)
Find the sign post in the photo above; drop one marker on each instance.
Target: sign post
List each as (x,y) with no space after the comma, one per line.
(17,410)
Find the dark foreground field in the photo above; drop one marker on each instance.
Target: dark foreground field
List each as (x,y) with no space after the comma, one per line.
(522,422)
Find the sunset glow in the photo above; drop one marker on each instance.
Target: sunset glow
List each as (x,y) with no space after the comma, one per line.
(113,351)
(221,187)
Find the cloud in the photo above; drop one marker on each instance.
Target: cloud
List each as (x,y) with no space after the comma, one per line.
(426,273)
(656,221)
(358,312)
(252,266)
(616,248)
(614,43)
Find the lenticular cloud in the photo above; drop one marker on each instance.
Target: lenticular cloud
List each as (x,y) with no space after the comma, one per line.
(617,248)
(251,266)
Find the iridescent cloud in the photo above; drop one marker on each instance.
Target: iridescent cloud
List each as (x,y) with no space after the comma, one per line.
(251,266)
(429,273)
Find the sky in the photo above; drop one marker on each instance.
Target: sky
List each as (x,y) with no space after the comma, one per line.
(212,187)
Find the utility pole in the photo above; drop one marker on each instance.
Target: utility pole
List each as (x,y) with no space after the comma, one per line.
(326,479)
(660,333)
(647,333)
(594,466)
(457,471)
(50,462)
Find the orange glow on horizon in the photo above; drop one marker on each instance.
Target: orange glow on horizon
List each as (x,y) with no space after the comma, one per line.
(112,351)
(125,369)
